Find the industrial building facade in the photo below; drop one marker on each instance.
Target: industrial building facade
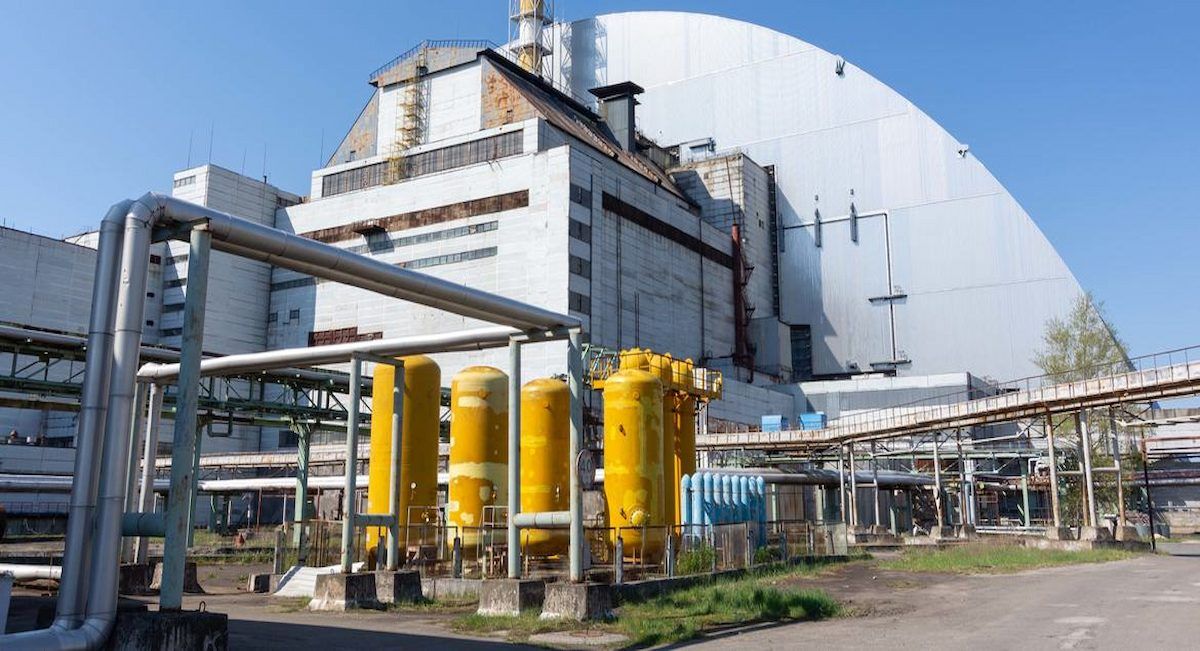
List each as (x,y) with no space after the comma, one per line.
(761,207)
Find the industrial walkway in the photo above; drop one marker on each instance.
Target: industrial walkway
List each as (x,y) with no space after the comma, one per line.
(1167,375)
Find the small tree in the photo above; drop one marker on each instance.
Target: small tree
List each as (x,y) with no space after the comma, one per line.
(1082,346)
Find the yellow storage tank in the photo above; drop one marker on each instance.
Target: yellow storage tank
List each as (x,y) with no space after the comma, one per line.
(478,451)
(418,447)
(633,468)
(634,358)
(545,460)
(663,367)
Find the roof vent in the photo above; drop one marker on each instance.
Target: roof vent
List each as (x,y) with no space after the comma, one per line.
(617,102)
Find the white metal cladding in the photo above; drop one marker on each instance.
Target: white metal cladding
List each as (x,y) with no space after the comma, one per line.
(978,276)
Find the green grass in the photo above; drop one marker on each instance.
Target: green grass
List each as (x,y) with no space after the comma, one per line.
(995,559)
(684,614)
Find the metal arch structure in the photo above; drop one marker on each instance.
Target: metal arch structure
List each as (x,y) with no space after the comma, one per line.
(937,233)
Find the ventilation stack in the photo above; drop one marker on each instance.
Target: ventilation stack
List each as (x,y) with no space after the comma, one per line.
(530,18)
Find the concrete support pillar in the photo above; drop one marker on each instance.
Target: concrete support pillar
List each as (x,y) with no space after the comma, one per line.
(149,456)
(514,458)
(1116,454)
(575,366)
(964,485)
(1055,513)
(875,485)
(303,443)
(1024,489)
(1085,441)
(853,491)
(349,503)
(937,483)
(186,403)
(841,503)
(393,535)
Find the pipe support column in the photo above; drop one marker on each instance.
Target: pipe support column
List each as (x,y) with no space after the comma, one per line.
(575,365)
(514,458)
(186,403)
(149,457)
(1055,517)
(393,559)
(349,503)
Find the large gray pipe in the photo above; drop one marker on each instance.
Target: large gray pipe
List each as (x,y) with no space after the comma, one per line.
(88,439)
(476,339)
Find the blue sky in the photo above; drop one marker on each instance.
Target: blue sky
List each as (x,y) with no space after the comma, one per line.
(1086,111)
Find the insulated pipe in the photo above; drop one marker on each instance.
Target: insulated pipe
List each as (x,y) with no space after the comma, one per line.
(575,363)
(31,572)
(514,458)
(761,486)
(743,498)
(685,502)
(543,520)
(349,505)
(149,454)
(266,244)
(184,448)
(137,429)
(474,339)
(705,514)
(93,405)
(726,508)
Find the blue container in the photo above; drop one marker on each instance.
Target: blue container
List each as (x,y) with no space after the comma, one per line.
(774,423)
(812,420)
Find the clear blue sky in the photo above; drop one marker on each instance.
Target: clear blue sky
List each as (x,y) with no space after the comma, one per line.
(1086,111)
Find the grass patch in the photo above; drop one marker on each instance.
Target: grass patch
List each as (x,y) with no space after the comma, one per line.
(685,614)
(288,605)
(995,559)
(763,596)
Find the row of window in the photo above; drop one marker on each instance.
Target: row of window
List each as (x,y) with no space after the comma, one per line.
(185,181)
(172,307)
(175,282)
(419,263)
(424,238)
(293,315)
(427,162)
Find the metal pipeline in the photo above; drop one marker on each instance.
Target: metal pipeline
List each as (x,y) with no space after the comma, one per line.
(31,572)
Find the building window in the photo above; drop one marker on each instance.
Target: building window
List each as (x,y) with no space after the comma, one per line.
(581,195)
(579,231)
(149,294)
(292,284)
(273,317)
(449,258)
(150,323)
(434,236)
(175,259)
(802,359)
(177,282)
(294,315)
(579,303)
(171,332)
(172,307)
(155,259)
(185,181)
(581,267)
(426,162)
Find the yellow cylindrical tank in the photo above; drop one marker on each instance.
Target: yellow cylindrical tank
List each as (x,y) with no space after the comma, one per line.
(633,468)
(478,451)
(663,367)
(684,413)
(545,460)
(634,358)
(418,447)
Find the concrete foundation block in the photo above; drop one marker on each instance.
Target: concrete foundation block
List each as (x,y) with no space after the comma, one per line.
(341,592)
(1128,534)
(966,531)
(260,583)
(450,588)
(190,584)
(173,631)
(1059,533)
(1095,534)
(136,578)
(402,587)
(577,601)
(510,596)
(938,533)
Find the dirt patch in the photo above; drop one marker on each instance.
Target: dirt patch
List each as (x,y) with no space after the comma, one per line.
(864,589)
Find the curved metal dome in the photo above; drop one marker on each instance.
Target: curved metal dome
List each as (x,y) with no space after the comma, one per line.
(945,272)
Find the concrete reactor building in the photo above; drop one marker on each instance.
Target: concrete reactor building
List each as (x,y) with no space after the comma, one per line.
(680,182)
